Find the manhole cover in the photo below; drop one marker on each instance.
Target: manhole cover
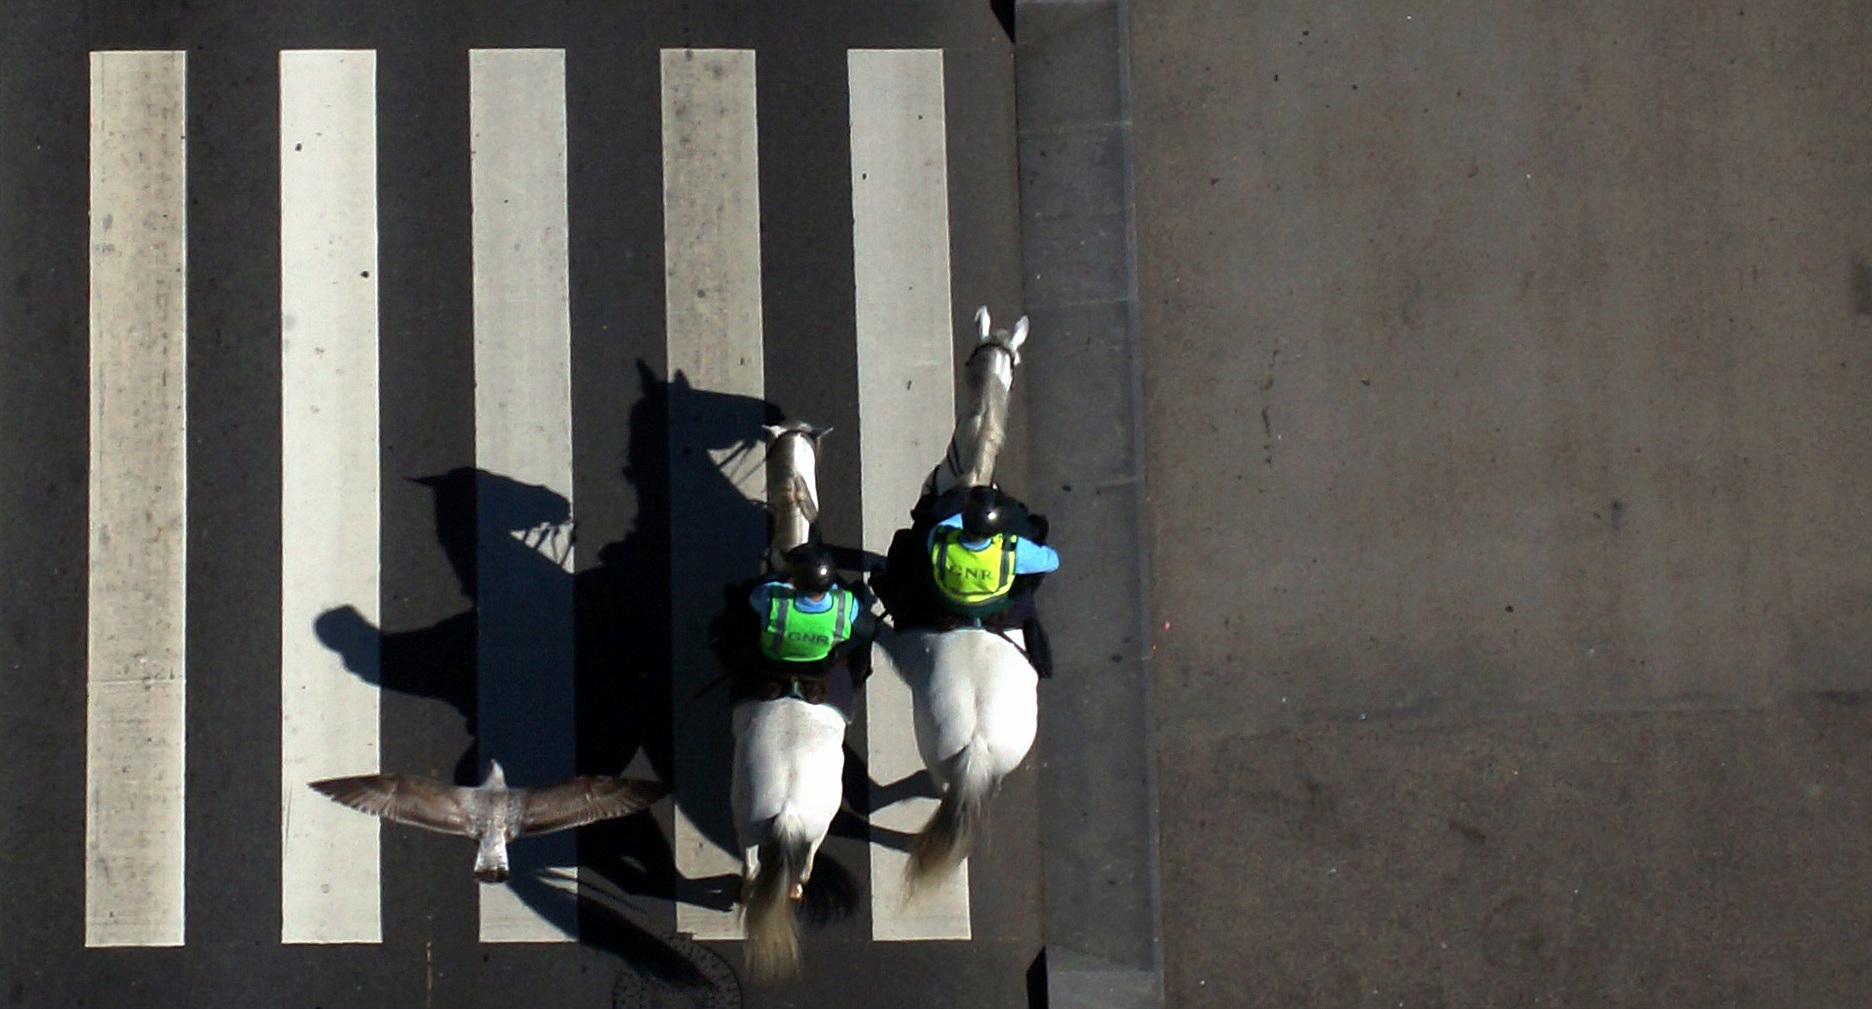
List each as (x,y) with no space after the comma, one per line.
(712,984)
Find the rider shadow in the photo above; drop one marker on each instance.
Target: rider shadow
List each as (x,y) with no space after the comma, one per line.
(502,540)
(505,543)
(436,662)
(642,658)
(506,664)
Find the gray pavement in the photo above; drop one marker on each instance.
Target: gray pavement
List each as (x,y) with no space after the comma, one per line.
(1507,454)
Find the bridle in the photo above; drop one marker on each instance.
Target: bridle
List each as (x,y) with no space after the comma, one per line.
(986,345)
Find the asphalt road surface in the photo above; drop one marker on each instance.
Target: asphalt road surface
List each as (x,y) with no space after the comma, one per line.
(197,207)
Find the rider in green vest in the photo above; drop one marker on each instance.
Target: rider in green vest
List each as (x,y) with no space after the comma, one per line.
(808,620)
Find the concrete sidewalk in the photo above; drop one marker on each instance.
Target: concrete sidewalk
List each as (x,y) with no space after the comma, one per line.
(1098,793)
(1510,477)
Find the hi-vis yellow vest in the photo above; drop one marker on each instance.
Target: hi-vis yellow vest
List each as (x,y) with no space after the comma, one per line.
(971,577)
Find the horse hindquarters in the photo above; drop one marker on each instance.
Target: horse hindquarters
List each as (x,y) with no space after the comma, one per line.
(788,781)
(980,689)
(977,715)
(789,757)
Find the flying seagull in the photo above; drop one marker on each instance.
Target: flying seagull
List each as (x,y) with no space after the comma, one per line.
(493,813)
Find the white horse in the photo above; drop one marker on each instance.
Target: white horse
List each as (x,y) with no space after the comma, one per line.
(789,761)
(975,694)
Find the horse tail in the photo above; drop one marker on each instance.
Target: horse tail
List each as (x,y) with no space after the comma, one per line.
(950,834)
(773,943)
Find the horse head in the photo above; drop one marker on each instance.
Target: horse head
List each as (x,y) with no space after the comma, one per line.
(981,426)
(989,338)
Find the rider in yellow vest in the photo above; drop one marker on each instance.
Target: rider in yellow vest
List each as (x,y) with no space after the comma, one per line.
(974,559)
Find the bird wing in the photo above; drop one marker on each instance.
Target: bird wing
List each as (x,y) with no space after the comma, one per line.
(584,800)
(419,802)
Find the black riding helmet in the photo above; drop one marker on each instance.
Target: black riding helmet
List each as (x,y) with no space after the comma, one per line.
(810,568)
(982,515)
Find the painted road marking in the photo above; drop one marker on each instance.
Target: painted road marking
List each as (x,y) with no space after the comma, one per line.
(906,401)
(523,446)
(135,645)
(329,484)
(712,284)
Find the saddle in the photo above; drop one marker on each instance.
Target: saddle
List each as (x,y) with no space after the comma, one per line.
(773,685)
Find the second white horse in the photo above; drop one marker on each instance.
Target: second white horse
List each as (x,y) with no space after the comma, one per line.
(789,760)
(976,696)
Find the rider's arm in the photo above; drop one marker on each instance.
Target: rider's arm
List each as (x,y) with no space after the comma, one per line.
(1032,558)
(763,595)
(864,625)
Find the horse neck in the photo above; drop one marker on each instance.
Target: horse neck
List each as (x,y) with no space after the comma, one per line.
(792,493)
(983,430)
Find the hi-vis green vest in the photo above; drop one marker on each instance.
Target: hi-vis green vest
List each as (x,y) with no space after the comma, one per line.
(971,577)
(793,635)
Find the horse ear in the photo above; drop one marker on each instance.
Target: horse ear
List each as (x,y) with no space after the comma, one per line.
(773,430)
(982,323)
(819,432)
(1019,337)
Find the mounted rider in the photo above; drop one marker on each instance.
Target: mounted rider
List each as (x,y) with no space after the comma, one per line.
(808,623)
(972,556)
(978,555)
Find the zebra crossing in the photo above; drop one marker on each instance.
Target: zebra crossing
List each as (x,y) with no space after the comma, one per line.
(330,403)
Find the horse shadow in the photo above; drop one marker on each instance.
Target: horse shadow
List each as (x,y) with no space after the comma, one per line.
(644,654)
(863,795)
(638,667)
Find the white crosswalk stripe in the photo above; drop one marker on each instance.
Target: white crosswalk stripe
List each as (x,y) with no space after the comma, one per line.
(329,487)
(712,285)
(331,887)
(135,736)
(906,391)
(523,431)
